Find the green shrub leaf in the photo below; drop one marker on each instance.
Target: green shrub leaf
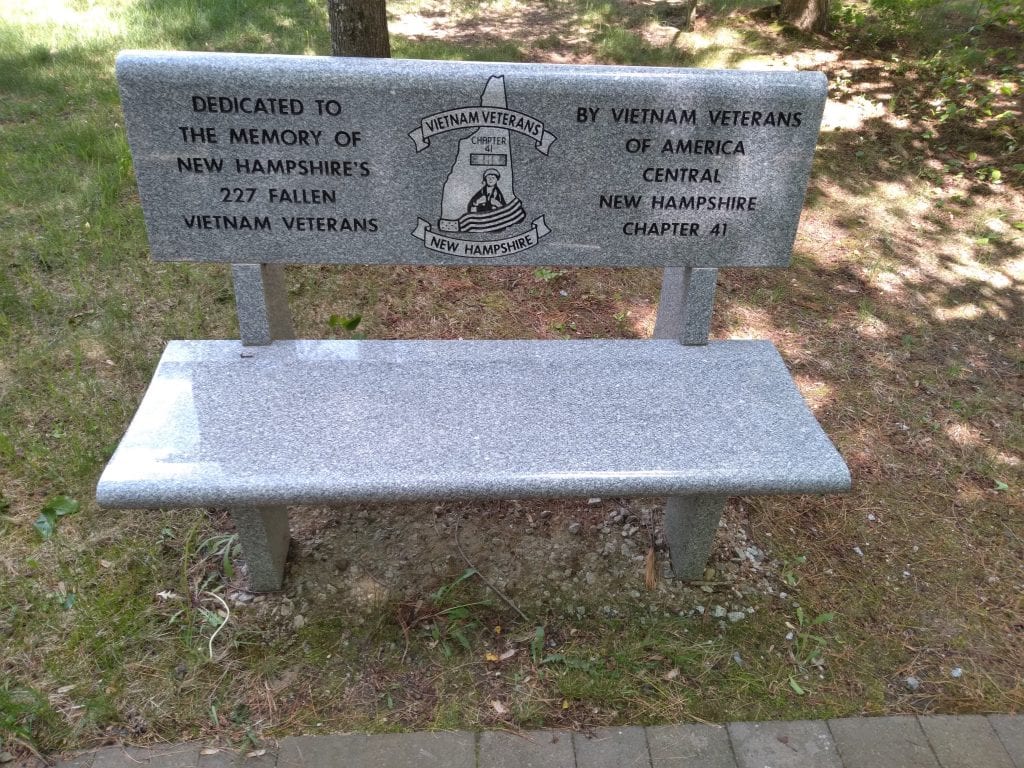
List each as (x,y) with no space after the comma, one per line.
(46,524)
(57,507)
(62,506)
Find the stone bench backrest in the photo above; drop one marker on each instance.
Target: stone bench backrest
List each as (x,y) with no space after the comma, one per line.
(251,159)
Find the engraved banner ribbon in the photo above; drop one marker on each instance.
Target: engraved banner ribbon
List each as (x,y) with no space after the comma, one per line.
(481,117)
(480,249)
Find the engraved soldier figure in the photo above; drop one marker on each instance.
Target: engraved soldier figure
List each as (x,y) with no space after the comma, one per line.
(489,198)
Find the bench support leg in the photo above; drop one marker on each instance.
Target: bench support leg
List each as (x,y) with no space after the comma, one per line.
(263,534)
(684,308)
(262,302)
(690,525)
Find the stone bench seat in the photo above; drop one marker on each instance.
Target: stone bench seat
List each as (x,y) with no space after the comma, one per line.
(307,422)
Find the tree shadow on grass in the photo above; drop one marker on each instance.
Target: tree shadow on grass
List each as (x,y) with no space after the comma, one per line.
(610,32)
(248,26)
(52,80)
(483,49)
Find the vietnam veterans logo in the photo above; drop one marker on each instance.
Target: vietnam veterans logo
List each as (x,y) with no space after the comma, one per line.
(478,197)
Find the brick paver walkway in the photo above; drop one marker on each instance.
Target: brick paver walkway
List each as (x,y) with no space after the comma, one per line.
(939,741)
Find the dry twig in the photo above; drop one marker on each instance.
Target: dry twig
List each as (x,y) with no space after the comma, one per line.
(494,589)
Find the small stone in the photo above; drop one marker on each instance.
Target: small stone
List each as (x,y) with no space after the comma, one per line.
(709,574)
(912,683)
(545,514)
(735,616)
(718,612)
(956,672)
(299,621)
(6,757)
(859,551)
(575,527)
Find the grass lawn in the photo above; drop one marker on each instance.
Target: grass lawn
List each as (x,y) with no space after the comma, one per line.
(901,318)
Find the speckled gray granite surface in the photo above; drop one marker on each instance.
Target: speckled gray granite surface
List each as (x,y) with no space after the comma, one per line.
(261,300)
(322,421)
(299,159)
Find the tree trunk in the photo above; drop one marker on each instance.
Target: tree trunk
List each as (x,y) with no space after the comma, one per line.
(359,28)
(806,15)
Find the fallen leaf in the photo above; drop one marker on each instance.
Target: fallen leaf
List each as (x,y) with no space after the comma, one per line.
(490,657)
(105,563)
(498,707)
(509,654)
(672,674)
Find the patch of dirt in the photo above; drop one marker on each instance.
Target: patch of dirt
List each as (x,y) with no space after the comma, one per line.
(550,558)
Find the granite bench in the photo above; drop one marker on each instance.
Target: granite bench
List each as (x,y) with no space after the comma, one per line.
(264,161)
